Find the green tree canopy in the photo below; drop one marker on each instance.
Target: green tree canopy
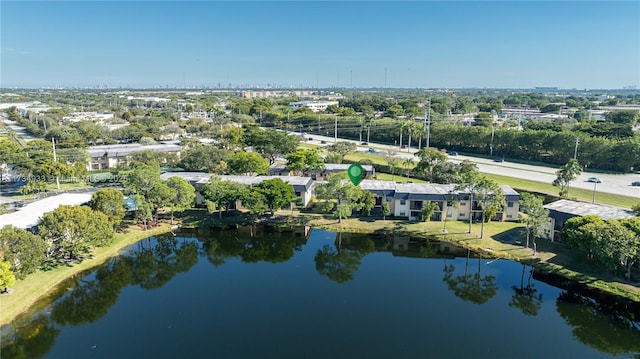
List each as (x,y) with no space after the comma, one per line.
(109,201)
(70,232)
(7,278)
(220,194)
(629,117)
(567,173)
(22,249)
(276,193)
(184,195)
(247,163)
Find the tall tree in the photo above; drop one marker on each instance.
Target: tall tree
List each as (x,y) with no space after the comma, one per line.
(109,201)
(143,210)
(567,173)
(429,159)
(622,242)
(22,249)
(160,196)
(205,158)
(70,232)
(7,278)
(428,208)
(220,194)
(142,179)
(536,217)
(185,195)
(469,182)
(336,189)
(276,192)
(247,163)
(490,199)
(270,143)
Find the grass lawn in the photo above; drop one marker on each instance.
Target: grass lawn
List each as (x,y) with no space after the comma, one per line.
(65,186)
(43,284)
(578,193)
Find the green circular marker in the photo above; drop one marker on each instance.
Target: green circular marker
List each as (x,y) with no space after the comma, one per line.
(355,173)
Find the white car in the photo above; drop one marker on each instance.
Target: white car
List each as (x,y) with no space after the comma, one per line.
(594,180)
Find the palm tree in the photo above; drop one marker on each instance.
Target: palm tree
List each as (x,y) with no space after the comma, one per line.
(408,163)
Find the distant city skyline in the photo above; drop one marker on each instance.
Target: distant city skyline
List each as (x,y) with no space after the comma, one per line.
(582,45)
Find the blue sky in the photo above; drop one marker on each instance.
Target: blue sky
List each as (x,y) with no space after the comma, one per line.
(331,44)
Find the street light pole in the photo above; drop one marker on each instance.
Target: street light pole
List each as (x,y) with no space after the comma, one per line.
(593,199)
(575,151)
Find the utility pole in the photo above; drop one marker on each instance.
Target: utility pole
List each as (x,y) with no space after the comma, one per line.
(593,199)
(335,130)
(55,160)
(493,130)
(575,151)
(429,123)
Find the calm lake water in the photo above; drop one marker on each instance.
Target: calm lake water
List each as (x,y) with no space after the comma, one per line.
(255,293)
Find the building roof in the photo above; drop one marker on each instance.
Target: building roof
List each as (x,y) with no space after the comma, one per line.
(127,149)
(191,177)
(29,215)
(424,191)
(298,183)
(575,208)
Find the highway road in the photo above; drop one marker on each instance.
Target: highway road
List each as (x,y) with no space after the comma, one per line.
(611,183)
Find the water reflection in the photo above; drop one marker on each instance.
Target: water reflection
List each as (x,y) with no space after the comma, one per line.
(340,263)
(607,326)
(609,329)
(525,297)
(473,288)
(32,339)
(253,244)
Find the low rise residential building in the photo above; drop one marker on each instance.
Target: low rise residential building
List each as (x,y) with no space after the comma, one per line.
(303,187)
(280,169)
(407,200)
(110,156)
(96,116)
(315,106)
(562,210)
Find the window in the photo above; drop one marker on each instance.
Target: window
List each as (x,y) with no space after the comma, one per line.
(403,202)
(403,213)
(462,203)
(449,215)
(389,198)
(462,214)
(509,216)
(510,204)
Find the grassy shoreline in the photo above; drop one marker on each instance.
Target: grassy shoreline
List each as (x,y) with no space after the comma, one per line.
(551,258)
(38,285)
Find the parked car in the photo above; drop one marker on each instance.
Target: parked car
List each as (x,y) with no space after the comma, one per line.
(453,153)
(310,138)
(635,184)
(404,147)
(594,180)
(498,159)
(372,150)
(323,142)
